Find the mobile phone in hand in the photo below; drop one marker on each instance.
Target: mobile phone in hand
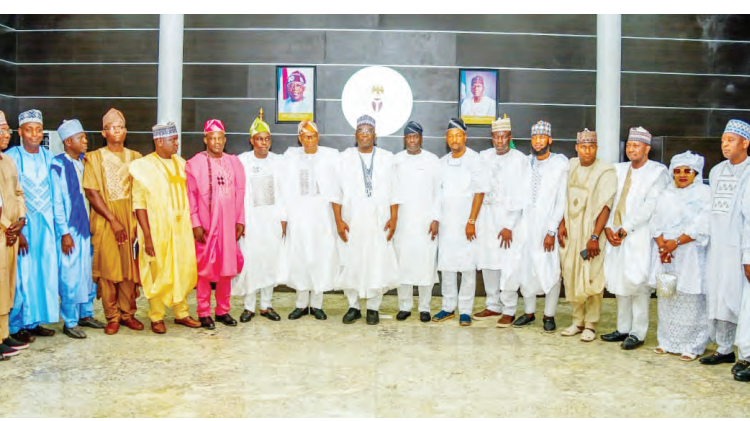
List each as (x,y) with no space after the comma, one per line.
(585,254)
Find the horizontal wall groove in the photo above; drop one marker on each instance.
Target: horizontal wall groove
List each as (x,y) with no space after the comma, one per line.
(726,41)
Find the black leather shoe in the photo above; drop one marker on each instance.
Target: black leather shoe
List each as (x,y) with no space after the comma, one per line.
(615,336)
(742,375)
(298,312)
(246,316)
(270,314)
(318,313)
(351,315)
(226,319)
(207,322)
(373,317)
(42,331)
(524,320)
(91,322)
(631,342)
(74,332)
(549,324)
(740,365)
(24,336)
(403,315)
(717,358)
(424,316)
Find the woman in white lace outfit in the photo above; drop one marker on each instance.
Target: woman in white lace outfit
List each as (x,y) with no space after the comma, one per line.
(680,228)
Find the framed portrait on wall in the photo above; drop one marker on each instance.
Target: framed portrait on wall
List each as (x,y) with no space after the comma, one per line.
(295,93)
(477,95)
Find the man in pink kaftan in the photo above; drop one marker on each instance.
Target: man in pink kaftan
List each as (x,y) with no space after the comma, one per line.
(216,191)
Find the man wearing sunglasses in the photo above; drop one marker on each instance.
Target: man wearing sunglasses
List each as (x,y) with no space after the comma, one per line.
(628,263)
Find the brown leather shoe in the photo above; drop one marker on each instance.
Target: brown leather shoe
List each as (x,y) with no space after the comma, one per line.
(505,321)
(132,323)
(42,331)
(159,327)
(485,314)
(188,321)
(112,328)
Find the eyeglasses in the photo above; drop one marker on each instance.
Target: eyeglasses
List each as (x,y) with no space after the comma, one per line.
(6,131)
(686,171)
(365,131)
(115,129)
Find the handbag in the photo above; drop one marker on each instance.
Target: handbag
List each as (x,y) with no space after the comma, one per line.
(666,284)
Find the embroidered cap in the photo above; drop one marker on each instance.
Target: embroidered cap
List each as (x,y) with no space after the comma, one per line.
(30,116)
(738,127)
(541,128)
(501,124)
(586,136)
(162,131)
(639,134)
(366,119)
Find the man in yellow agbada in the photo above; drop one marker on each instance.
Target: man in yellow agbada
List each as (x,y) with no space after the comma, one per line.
(167,257)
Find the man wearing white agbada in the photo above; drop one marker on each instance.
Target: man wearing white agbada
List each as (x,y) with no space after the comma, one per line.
(628,264)
(463,185)
(725,278)
(501,210)
(366,211)
(538,271)
(265,226)
(311,230)
(418,183)
(680,228)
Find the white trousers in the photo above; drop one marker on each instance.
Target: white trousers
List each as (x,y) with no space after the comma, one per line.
(406,297)
(550,302)
(373,303)
(722,332)
(451,294)
(265,299)
(309,298)
(509,300)
(632,314)
(492,288)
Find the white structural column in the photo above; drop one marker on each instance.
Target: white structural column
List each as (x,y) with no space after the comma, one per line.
(608,42)
(169,102)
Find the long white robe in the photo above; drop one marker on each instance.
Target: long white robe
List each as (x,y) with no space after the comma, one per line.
(262,245)
(627,267)
(461,178)
(683,211)
(683,324)
(538,271)
(311,229)
(368,259)
(501,209)
(418,184)
(725,277)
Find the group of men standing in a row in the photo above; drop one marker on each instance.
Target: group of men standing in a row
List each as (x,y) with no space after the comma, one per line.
(363,221)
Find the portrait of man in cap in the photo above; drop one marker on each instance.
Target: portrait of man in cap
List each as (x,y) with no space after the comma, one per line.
(478,96)
(295,95)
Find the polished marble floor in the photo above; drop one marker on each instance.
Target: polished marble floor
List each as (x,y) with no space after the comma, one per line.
(310,368)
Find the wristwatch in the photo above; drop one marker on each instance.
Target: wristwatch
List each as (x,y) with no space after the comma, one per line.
(677,241)
(472,222)
(594,237)
(551,233)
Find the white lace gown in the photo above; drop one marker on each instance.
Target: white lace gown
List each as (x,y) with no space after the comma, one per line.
(682,318)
